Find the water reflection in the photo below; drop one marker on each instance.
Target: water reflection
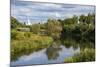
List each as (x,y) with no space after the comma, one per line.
(16,56)
(56,53)
(82,43)
(53,51)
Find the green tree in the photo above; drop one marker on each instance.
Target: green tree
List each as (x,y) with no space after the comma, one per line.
(35,28)
(83,19)
(91,19)
(15,23)
(69,21)
(54,28)
(74,19)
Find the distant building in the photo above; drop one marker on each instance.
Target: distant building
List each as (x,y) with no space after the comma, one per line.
(28,22)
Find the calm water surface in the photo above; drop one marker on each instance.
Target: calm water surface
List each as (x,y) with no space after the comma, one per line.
(46,56)
(52,54)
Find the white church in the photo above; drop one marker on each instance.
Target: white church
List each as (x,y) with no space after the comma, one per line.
(25,29)
(28,22)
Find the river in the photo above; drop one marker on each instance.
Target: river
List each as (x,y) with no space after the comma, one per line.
(52,54)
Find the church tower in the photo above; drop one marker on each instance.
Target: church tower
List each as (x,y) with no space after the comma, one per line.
(28,22)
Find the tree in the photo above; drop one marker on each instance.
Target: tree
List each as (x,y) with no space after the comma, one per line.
(82,19)
(89,19)
(54,28)
(93,18)
(74,19)
(15,23)
(70,21)
(35,28)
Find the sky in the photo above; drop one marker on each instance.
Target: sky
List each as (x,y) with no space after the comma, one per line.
(40,12)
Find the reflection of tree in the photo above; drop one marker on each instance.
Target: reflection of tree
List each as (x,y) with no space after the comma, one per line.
(86,44)
(15,56)
(75,46)
(53,51)
(82,43)
(69,42)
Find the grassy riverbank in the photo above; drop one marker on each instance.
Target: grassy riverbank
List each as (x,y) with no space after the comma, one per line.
(26,41)
(86,55)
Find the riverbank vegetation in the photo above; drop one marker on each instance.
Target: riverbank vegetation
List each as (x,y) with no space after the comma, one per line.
(24,42)
(41,35)
(85,55)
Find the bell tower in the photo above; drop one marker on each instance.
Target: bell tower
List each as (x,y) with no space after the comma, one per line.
(28,21)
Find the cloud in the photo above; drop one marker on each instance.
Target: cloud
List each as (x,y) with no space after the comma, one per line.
(38,12)
(57,14)
(25,10)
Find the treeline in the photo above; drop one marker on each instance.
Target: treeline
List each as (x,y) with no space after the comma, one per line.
(25,42)
(15,23)
(77,26)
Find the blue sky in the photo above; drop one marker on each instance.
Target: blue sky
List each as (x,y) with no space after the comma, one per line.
(41,12)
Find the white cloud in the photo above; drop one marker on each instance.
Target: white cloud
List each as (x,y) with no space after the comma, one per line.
(43,11)
(57,14)
(25,10)
(51,5)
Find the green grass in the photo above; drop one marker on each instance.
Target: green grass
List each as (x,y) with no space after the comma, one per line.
(26,41)
(86,55)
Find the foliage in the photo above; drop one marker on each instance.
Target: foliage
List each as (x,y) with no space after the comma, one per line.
(82,19)
(27,34)
(35,28)
(78,27)
(28,41)
(86,24)
(52,52)
(15,23)
(54,28)
(16,35)
(69,21)
(85,55)
(90,18)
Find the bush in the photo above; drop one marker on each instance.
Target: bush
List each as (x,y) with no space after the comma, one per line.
(27,34)
(16,35)
(33,43)
(13,34)
(54,28)
(86,55)
(35,28)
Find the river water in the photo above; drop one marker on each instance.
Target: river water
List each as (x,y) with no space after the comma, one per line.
(50,55)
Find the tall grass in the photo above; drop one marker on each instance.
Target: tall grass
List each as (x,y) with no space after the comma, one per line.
(25,41)
(86,55)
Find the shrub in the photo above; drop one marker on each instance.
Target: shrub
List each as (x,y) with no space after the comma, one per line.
(35,28)
(29,44)
(27,34)
(13,34)
(86,55)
